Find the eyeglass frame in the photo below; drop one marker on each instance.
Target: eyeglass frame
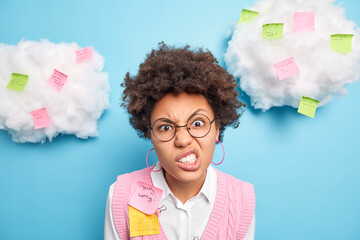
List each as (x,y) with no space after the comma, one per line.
(187,129)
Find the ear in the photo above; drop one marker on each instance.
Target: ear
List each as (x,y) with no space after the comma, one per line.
(217,133)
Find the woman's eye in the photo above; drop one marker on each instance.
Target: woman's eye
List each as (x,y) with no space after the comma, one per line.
(198,123)
(164,128)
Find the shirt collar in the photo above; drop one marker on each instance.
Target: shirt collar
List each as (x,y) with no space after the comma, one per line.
(208,189)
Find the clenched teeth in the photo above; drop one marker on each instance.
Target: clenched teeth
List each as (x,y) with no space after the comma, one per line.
(188,159)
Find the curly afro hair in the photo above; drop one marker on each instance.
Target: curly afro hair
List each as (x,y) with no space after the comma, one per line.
(176,70)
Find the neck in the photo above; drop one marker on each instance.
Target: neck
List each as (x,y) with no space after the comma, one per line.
(184,190)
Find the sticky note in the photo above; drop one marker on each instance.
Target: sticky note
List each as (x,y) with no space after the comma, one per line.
(17,82)
(341,43)
(286,68)
(247,16)
(308,106)
(142,224)
(83,54)
(57,79)
(273,31)
(40,118)
(146,198)
(304,21)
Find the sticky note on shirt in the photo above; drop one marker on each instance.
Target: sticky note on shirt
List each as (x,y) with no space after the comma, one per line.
(142,224)
(341,43)
(273,31)
(247,16)
(18,82)
(57,80)
(308,106)
(40,118)
(304,21)
(146,198)
(83,54)
(286,68)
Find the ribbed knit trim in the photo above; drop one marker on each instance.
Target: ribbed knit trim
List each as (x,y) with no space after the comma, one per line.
(124,186)
(225,220)
(247,210)
(218,208)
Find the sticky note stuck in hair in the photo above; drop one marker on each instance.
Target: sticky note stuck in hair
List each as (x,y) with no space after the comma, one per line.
(142,224)
(286,68)
(341,43)
(146,198)
(83,54)
(247,16)
(57,80)
(17,82)
(304,21)
(40,118)
(273,31)
(308,106)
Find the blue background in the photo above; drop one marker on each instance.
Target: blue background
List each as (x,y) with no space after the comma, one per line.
(305,171)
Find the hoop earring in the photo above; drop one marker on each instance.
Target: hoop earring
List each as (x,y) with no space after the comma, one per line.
(147,164)
(223,154)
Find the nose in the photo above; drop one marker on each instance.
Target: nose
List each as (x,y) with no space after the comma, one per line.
(182,137)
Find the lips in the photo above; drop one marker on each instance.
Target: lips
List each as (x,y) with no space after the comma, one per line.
(188,160)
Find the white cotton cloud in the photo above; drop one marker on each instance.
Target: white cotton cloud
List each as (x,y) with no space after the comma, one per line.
(75,109)
(323,72)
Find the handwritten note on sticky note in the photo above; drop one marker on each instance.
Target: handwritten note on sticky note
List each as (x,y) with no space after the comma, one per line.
(146,198)
(247,16)
(40,118)
(286,68)
(83,54)
(273,31)
(304,21)
(17,82)
(142,224)
(57,80)
(341,43)
(308,106)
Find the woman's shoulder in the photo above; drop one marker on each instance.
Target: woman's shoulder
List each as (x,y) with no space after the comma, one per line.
(233,182)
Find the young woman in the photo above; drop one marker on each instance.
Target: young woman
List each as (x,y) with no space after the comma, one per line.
(181,100)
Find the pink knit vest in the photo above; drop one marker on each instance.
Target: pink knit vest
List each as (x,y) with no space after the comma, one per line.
(230,218)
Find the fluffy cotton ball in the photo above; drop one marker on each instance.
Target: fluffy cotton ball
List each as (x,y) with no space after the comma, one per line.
(73,110)
(323,72)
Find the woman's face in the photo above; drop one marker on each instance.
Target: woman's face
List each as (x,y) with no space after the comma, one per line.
(184,158)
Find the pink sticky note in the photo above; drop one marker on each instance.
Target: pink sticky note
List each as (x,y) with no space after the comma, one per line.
(286,68)
(57,79)
(41,118)
(304,21)
(83,54)
(146,198)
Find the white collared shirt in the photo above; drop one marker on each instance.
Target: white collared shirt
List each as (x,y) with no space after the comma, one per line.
(179,221)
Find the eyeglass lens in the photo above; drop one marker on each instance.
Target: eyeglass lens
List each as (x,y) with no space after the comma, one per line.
(198,125)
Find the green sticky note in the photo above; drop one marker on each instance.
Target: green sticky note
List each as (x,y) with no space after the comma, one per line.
(341,43)
(247,16)
(308,106)
(273,31)
(17,82)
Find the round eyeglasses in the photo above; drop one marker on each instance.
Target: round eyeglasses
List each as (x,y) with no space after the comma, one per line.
(198,125)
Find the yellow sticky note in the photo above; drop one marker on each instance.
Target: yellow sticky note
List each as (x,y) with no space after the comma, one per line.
(247,16)
(273,31)
(17,82)
(308,106)
(341,43)
(142,224)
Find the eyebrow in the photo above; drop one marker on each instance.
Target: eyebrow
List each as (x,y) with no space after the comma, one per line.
(195,112)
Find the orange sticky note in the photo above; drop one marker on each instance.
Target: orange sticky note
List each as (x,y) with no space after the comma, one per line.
(146,198)
(142,224)
(304,21)
(83,54)
(41,118)
(57,79)
(286,68)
